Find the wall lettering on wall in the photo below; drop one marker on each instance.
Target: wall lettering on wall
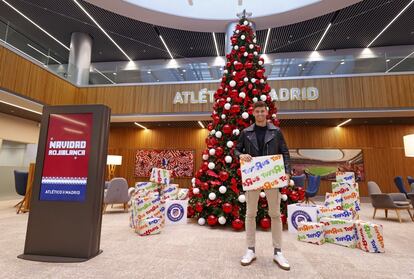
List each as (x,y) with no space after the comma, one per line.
(281,95)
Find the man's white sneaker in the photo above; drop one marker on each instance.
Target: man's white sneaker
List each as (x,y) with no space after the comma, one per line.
(248,258)
(281,261)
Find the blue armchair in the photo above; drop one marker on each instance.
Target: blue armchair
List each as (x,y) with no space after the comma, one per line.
(20,184)
(299,180)
(399,182)
(410,180)
(313,188)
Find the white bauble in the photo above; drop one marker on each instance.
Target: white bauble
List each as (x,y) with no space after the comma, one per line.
(237,31)
(236,47)
(274,115)
(201,221)
(228,99)
(242,95)
(263,97)
(262,195)
(245,115)
(251,46)
(255,99)
(212,196)
(222,189)
(228,159)
(245,54)
(193,180)
(232,83)
(226,89)
(223,116)
(212,151)
(260,62)
(235,62)
(255,53)
(284,197)
(225,71)
(291,183)
(245,22)
(219,134)
(229,144)
(236,132)
(205,157)
(253,80)
(250,24)
(262,80)
(212,132)
(211,165)
(222,220)
(196,191)
(234,73)
(242,198)
(242,37)
(246,79)
(227,106)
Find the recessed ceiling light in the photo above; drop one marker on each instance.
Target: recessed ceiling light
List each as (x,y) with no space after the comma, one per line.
(342,62)
(35,24)
(184,70)
(388,60)
(139,125)
(99,72)
(267,40)
(389,24)
(300,65)
(114,74)
(149,72)
(323,36)
(103,30)
(215,44)
(343,123)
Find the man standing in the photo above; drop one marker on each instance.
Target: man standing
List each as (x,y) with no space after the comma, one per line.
(261,139)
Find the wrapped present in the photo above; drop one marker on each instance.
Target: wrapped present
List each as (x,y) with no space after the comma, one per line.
(146,186)
(147,207)
(160,176)
(299,212)
(348,177)
(176,212)
(183,194)
(333,201)
(148,226)
(324,212)
(350,195)
(170,192)
(311,232)
(370,237)
(341,232)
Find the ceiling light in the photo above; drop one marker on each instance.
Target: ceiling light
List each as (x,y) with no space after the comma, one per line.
(184,70)
(114,74)
(389,24)
(342,62)
(149,72)
(35,24)
(99,72)
(343,123)
(267,40)
(215,44)
(323,36)
(165,45)
(48,56)
(103,31)
(139,125)
(388,60)
(400,62)
(201,124)
(300,65)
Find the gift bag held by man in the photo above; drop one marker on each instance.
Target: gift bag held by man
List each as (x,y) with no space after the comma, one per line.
(262,139)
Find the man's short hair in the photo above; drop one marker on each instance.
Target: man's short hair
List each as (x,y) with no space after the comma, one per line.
(259,104)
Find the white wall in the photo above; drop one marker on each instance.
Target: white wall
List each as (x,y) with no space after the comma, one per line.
(18,148)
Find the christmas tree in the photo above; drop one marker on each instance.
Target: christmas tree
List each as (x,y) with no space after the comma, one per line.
(216,195)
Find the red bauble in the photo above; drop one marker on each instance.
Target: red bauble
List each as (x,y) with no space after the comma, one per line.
(219,151)
(199,207)
(204,186)
(243,49)
(204,166)
(199,173)
(227,207)
(265,223)
(210,126)
(237,224)
(235,109)
(190,212)
(211,220)
(248,65)
(227,129)
(259,73)
(255,92)
(238,66)
(223,175)
(250,56)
